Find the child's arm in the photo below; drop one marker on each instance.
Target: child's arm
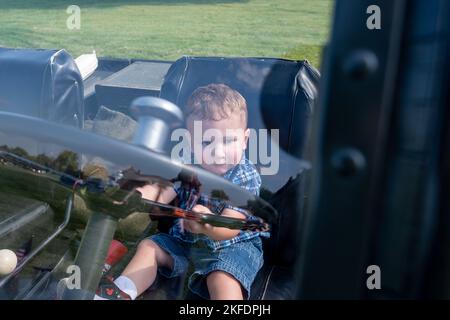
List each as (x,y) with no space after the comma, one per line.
(155,192)
(215,233)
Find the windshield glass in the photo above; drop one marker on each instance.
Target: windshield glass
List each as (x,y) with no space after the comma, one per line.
(175,127)
(60,181)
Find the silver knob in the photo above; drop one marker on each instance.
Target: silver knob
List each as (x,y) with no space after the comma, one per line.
(156,117)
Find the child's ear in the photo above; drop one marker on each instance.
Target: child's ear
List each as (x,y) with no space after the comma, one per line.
(246,136)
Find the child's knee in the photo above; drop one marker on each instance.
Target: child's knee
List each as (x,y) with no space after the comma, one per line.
(222,285)
(161,256)
(147,245)
(217,278)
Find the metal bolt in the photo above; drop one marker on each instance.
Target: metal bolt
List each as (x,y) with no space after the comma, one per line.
(348,162)
(361,64)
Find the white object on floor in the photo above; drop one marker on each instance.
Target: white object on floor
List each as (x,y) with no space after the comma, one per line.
(8,262)
(87,64)
(126,285)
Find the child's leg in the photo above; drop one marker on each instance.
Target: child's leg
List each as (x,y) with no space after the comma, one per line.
(229,272)
(143,267)
(223,286)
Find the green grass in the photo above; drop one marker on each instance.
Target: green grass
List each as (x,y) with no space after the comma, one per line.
(294,29)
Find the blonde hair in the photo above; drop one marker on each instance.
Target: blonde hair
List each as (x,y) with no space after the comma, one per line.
(216,102)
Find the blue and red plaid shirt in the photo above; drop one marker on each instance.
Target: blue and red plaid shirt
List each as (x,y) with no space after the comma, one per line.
(245,175)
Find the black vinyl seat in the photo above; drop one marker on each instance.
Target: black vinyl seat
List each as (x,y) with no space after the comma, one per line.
(41,83)
(45,84)
(280,94)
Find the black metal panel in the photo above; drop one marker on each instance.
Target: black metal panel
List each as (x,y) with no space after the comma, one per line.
(436,276)
(356,103)
(407,217)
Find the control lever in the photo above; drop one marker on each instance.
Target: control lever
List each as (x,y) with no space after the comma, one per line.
(156,118)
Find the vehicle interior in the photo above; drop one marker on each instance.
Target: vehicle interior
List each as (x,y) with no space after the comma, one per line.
(279,90)
(360,167)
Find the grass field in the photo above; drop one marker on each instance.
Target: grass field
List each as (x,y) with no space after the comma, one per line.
(158,29)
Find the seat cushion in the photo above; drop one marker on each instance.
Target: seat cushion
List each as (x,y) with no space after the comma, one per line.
(271,283)
(277,91)
(280,95)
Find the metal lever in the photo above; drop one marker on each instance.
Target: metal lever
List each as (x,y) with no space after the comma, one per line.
(156,117)
(42,245)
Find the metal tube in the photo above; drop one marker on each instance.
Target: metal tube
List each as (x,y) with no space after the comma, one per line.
(92,254)
(42,245)
(152,133)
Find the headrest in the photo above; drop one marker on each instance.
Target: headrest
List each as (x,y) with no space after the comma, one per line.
(41,83)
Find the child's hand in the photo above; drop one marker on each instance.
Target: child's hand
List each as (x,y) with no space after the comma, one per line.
(149,191)
(195,227)
(155,192)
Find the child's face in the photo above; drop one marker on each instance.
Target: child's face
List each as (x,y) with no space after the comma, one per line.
(218,145)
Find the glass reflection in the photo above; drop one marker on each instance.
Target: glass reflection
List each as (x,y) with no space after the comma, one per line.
(52,172)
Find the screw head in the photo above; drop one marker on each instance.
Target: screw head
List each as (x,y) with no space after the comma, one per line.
(348,162)
(360,64)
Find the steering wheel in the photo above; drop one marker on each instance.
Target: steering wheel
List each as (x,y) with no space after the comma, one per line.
(111,202)
(148,166)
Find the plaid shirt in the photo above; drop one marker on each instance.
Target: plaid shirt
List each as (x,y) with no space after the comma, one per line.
(245,175)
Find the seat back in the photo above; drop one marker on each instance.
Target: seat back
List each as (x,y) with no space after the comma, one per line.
(280,95)
(41,83)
